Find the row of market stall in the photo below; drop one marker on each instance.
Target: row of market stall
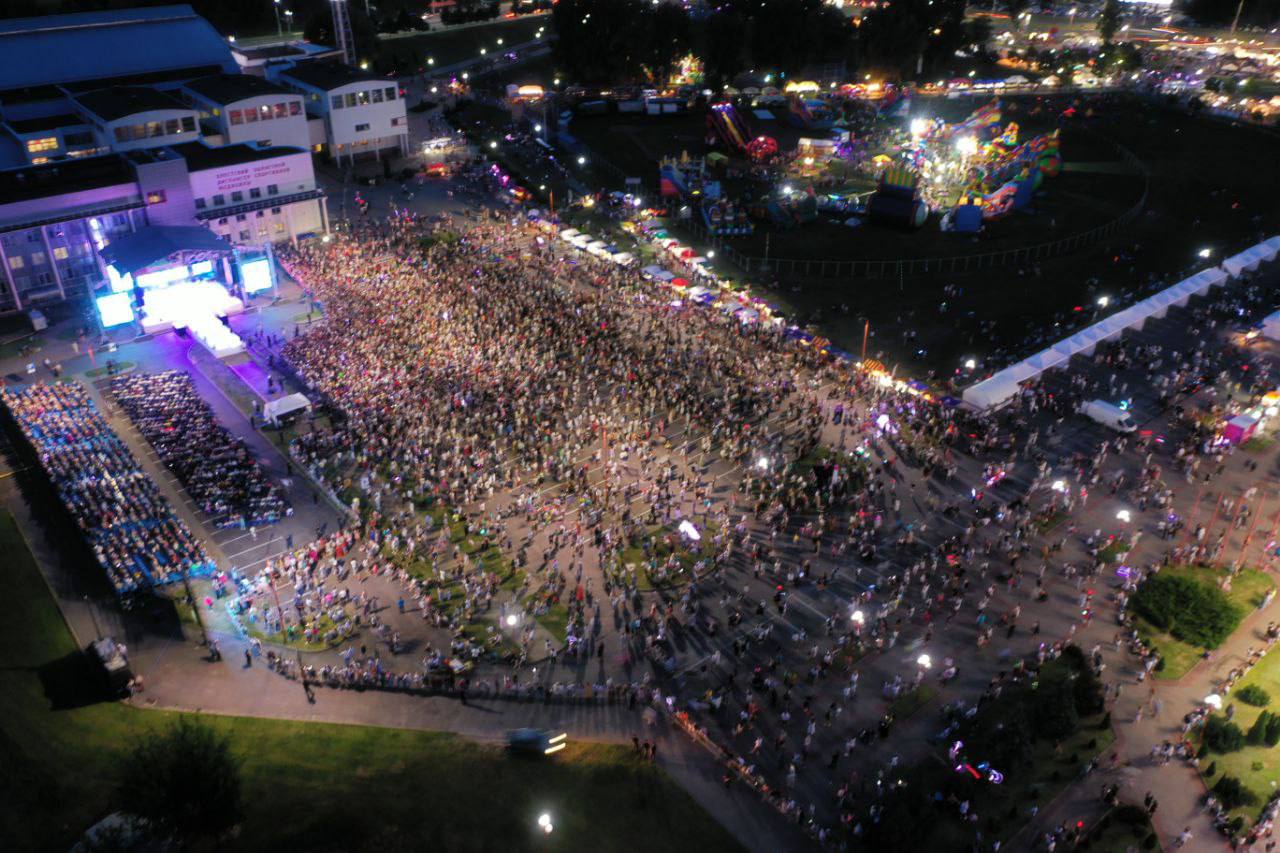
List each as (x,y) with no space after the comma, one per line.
(596,247)
(998,389)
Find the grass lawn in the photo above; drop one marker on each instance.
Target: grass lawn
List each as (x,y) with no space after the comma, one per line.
(452,45)
(310,786)
(1114,835)
(913,700)
(120,367)
(556,621)
(1263,781)
(297,638)
(1247,591)
(1259,444)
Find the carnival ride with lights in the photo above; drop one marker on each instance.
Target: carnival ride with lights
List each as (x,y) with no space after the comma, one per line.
(976,171)
(726,126)
(686,180)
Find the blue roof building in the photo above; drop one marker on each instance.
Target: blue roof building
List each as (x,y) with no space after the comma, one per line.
(125,46)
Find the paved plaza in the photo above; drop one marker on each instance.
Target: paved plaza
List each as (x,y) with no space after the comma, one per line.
(788,636)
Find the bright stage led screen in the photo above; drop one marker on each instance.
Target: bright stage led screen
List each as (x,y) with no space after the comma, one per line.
(256,275)
(115,309)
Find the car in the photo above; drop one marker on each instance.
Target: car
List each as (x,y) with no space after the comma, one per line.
(529,741)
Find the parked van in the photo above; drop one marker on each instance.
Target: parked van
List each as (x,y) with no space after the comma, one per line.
(1109,415)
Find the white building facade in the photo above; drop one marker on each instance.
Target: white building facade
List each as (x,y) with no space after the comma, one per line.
(364,115)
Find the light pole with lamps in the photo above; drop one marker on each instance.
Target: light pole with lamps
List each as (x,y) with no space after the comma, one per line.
(275,5)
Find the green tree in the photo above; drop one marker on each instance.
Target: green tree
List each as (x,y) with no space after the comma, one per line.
(319,28)
(1223,736)
(1257,735)
(1053,709)
(725,52)
(1272,736)
(914,37)
(666,40)
(1015,8)
(602,41)
(183,781)
(1194,612)
(1109,20)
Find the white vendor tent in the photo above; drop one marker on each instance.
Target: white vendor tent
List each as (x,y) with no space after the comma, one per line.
(1271,327)
(277,409)
(992,392)
(997,389)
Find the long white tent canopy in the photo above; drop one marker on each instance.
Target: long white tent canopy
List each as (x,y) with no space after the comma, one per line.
(999,388)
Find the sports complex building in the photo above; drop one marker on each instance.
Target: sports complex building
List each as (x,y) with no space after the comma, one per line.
(144,122)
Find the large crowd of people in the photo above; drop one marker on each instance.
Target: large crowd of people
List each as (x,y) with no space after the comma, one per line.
(215,467)
(583,420)
(127,523)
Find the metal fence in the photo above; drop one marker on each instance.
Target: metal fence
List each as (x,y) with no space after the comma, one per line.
(956,264)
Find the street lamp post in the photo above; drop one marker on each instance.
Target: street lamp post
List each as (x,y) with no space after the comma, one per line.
(275,5)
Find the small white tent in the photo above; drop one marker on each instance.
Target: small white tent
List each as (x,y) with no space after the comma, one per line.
(284,406)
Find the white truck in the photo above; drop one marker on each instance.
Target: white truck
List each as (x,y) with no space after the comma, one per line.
(1109,415)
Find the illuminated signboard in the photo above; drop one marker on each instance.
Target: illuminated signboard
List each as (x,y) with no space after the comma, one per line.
(256,275)
(115,309)
(162,277)
(201,268)
(119,283)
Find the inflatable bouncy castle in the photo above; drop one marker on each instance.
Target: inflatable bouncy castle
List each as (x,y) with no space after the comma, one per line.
(897,201)
(727,127)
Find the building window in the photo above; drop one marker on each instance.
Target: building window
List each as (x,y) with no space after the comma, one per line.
(377,96)
(240,217)
(155,197)
(80,137)
(172,126)
(219,200)
(255,192)
(295,108)
(124,134)
(236,117)
(273,189)
(390,92)
(250,115)
(244,236)
(39,161)
(362,97)
(200,203)
(281,110)
(155,129)
(397,121)
(222,221)
(60,252)
(279,226)
(351,99)
(33,236)
(265,109)
(37,258)
(275,211)
(48,143)
(17,262)
(237,197)
(188,124)
(336,100)
(361,128)
(258,215)
(44,278)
